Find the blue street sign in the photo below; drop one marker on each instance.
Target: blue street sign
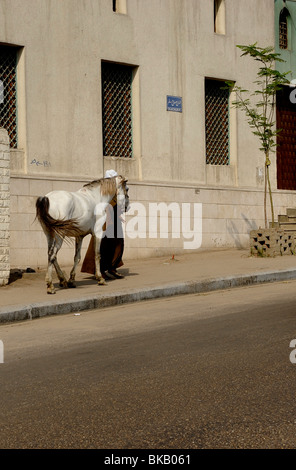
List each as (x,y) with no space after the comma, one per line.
(174,103)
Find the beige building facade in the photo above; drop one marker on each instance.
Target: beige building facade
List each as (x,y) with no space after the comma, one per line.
(178,141)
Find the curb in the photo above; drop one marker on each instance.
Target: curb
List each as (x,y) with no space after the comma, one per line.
(40,309)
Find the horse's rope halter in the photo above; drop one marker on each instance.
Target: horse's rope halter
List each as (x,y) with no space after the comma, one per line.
(113,201)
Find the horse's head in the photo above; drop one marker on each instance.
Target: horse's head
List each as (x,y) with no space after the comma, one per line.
(122,193)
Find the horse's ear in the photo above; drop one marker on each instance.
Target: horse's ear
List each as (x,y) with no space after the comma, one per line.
(123,179)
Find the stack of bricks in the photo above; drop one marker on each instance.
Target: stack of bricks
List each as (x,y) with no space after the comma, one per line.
(4,207)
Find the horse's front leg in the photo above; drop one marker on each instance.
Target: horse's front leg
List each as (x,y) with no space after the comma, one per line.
(98,274)
(77,258)
(100,226)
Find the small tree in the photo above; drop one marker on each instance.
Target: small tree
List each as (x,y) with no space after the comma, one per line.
(259,106)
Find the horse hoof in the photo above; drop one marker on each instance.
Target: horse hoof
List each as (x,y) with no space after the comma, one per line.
(51,290)
(102,282)
(64,284)
(71,284)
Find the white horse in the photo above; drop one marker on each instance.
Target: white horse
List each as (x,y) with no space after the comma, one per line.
(77,214)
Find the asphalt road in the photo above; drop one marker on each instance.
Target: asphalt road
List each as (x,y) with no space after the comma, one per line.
(192,372)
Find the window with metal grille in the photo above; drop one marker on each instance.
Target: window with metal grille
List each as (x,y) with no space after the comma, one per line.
(117,110)
(283,29)
(216,122)
(8,101)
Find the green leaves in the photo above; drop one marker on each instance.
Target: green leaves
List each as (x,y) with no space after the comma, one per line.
(259,105)
(262,54)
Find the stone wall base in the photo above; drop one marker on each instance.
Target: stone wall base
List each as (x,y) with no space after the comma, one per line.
(228,216)
(4,207)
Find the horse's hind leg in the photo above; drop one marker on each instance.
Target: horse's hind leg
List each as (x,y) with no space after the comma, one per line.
(54,244)
(77,258)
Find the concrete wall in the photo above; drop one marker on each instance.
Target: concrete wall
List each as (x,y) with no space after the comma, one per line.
(173,47)
(4,207)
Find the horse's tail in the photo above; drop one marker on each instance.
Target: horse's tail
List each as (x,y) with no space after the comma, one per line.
(60,227)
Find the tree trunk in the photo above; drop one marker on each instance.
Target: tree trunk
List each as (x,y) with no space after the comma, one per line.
(265,192)
(269,189)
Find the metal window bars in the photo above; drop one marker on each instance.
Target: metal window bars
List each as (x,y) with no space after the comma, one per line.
(216,122)
(117,109)
(8,95)
(283,34)
(283,28)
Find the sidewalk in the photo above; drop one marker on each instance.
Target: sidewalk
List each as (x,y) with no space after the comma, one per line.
(204,271)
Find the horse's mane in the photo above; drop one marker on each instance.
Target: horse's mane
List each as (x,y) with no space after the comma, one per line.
(108,185)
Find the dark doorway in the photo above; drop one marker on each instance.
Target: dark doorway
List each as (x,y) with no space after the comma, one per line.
(286,150)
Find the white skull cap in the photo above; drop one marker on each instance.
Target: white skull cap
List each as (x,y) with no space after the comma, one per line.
(110,174)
